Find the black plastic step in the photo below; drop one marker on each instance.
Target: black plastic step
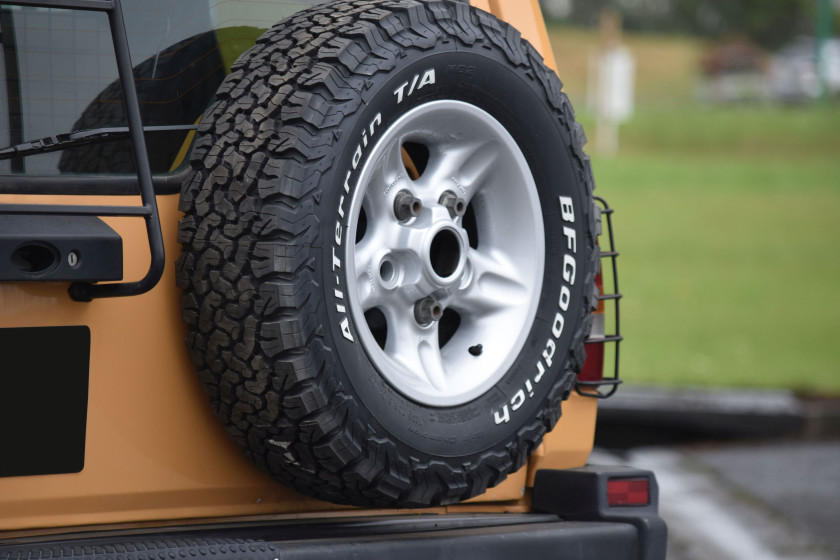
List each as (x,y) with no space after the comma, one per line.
(409,537)
(46,248)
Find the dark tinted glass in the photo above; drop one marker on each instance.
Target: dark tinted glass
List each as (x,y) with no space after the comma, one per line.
(58,74)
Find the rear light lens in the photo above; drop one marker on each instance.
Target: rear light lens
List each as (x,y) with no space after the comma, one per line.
(624,492)
(593,368)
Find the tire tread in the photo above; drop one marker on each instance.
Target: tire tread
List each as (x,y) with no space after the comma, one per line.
(250,213)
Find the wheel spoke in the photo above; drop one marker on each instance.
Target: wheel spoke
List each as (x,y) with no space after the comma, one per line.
(368,295)
(476,169)
(364,265)
(365,257)
(468,163)
(432,361)
(376,203)
(392,162)
(364,253)
(403,334)
(383,233)
(389,177)
(415,348)
(495,285)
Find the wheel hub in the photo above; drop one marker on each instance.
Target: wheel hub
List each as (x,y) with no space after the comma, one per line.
(449,260)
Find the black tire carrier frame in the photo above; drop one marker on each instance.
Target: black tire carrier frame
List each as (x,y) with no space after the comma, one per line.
(148,210)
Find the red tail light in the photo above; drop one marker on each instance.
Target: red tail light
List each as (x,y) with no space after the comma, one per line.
(628,492)
(593,369)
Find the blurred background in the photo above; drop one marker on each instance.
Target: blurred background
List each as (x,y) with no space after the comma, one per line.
(714,130)
(726,181)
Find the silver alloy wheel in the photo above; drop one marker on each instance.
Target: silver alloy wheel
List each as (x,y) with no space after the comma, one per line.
(418,254)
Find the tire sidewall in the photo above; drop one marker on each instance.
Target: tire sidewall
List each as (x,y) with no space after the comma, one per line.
(518,101)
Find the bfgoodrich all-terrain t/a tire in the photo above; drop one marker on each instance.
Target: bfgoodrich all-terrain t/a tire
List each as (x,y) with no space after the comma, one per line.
(389,252)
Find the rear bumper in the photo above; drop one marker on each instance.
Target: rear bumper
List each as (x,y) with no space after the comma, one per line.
(578,522)
(480,536)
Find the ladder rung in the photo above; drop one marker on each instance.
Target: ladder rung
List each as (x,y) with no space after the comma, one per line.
(97,5)
(73,210)
(604,339)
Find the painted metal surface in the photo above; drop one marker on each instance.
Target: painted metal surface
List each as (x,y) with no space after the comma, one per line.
(154,452)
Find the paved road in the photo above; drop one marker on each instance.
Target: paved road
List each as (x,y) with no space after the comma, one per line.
(799,481)
(764,501)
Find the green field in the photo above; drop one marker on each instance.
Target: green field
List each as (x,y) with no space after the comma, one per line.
(727,221)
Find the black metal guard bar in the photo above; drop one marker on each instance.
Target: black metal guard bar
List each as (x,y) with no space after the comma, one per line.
(83,291)
(74,210)
(93,5)
(593,389)
(89,185)
(14,99)
(86,292)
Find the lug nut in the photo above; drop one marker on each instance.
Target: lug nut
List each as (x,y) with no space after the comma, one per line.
(457,206)
(428,310)
(406,206)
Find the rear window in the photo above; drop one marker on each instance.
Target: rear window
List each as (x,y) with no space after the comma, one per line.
(60,75)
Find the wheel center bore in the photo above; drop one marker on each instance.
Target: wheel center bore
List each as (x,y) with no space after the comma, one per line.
(445,253)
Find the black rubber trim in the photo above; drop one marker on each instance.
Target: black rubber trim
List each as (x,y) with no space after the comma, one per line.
(581,495)
(478,536)
(89,185)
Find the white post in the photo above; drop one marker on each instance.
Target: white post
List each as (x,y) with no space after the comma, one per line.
(613,69)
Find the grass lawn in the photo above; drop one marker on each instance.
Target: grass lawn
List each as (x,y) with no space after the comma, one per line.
(728,268)
(727,221)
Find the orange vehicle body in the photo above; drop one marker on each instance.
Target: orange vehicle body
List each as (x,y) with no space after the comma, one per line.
(154,454)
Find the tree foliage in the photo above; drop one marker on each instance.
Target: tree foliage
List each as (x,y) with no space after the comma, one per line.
(769,23)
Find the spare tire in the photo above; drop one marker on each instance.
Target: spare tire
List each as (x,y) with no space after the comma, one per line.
(389,252)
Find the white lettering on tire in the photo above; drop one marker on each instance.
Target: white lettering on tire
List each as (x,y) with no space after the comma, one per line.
(416,84)
(340,230)
(546,360)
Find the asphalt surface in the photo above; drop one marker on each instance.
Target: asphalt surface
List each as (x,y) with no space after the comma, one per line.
(742,475)
(798,481)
